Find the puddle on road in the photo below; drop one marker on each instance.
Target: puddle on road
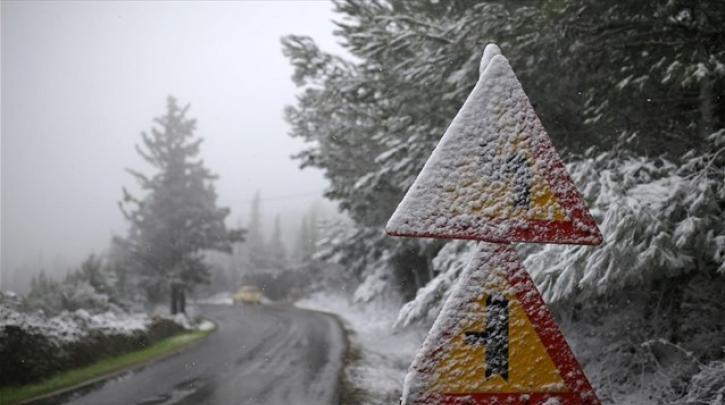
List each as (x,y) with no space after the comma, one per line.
(181,391)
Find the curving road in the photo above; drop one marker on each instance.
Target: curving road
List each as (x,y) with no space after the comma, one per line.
(259,355)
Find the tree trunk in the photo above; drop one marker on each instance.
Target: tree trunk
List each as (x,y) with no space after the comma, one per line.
(429,264)
(416,278)
(182,299)
(174,308)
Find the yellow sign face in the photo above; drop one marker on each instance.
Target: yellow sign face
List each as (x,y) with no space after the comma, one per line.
(527,366)
(495,342)
(518,191)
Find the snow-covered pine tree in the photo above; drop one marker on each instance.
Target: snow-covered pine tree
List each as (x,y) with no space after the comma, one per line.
(659,65)
(257,250)
(373,121)
(177,218)
(44,295)
(277,249)
(304,240)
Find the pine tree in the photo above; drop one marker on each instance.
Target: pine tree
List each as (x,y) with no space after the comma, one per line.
(239,260)
(307,235)
(177,219)
(44,294)
(276,246)
(301,251)
(639,70)
(256,243)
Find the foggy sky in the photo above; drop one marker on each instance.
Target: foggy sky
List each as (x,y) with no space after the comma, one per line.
(81,80)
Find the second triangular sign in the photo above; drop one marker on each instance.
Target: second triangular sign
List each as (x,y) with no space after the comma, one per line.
(495,342)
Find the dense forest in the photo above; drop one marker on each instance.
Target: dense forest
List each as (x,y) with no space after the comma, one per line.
(632,97)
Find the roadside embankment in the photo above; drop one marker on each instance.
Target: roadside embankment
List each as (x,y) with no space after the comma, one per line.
(43,355)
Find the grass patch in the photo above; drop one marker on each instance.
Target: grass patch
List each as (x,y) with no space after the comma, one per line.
(78,376)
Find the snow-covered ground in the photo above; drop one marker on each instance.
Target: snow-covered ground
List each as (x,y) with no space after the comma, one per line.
(379,355)
(221,298)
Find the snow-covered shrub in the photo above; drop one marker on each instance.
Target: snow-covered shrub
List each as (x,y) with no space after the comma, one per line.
(644,310)
(707,387)
(90,287)
(44,295)
(11,300)
(33,346)
(659,221)
(82,295)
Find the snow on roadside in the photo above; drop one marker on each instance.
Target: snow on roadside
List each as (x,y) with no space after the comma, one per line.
(384,353)
(73,326)
(205,326)
(222,298)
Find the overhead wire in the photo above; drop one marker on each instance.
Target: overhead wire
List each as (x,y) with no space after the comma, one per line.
(284,197)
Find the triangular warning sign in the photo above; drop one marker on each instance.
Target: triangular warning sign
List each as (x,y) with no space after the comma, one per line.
(495,342)
(495,175)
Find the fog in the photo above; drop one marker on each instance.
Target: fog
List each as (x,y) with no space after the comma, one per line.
(81,80)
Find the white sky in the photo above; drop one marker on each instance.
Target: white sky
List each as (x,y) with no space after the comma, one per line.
(81,80)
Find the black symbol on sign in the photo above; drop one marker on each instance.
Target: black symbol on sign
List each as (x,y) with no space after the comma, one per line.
(518,166)
(496,336)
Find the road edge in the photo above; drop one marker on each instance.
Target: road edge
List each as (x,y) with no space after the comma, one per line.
(341,379)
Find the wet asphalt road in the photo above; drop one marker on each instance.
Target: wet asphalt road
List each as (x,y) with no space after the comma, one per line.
(258,355)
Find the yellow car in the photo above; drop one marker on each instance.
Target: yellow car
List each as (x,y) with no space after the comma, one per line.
(248,294)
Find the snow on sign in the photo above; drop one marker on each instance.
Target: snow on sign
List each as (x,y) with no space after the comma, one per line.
(495,175)
(496,343)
